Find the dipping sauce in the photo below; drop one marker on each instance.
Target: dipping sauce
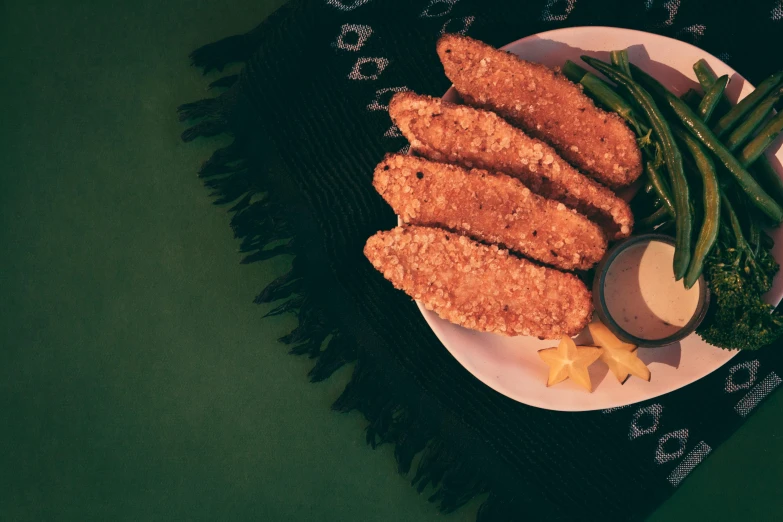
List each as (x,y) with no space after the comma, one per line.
(642,296)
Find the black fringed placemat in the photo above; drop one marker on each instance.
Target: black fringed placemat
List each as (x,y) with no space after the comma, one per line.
(309,122)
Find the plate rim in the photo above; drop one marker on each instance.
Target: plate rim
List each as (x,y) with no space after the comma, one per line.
(430,315)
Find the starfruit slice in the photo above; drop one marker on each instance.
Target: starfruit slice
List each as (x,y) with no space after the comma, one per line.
(621,358)
(604,337)
(569,361)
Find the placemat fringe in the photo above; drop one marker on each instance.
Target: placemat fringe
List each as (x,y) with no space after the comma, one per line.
(205,129)
(216,55)
(225,82)
(411,431)
(262,228)
(239,48)
(199,109)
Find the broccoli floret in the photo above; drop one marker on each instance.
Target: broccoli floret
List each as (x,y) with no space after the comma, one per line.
(738,277)
(745,327)
(768,267)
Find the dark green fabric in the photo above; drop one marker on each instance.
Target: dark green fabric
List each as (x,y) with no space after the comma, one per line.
(138,380)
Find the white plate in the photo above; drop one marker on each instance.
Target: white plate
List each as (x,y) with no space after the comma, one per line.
(511,365)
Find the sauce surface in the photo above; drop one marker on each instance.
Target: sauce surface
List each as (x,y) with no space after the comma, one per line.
(643,297)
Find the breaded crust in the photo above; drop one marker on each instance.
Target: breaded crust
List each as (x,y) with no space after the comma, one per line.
(546,105)
(480,287)
(493,208)
(444,131)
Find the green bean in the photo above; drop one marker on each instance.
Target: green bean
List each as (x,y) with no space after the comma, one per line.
(747,223)
(671,156)
(745,130)
(602,93)
(692,98)
(707,79)
(654,219)
(734,223)
(761,169)
(762,141)
(573,71)
(699,129)
(736,114)
(621,62)
(704,74)
(712,97)
(768,178)
(661,187)
(606,96)
(711,208)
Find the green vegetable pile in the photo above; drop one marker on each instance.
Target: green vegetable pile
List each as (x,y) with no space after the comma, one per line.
(701,145)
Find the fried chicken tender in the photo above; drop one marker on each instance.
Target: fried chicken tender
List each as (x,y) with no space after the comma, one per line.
(493,208)
(443,131)
(480,287)
(546,105)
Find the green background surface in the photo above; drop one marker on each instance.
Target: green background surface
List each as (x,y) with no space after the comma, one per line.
(137,380)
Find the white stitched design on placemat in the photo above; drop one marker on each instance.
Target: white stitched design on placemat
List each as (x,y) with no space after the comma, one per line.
(362,32)
(687,464)
(548,16)
(655,411)
(357,74)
